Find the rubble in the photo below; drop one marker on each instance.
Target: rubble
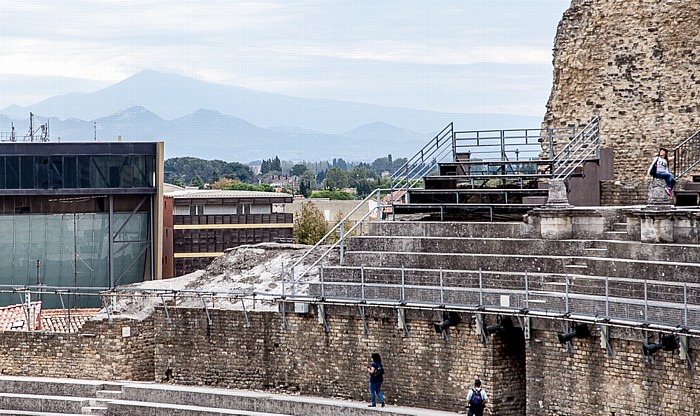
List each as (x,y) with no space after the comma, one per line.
(242,270)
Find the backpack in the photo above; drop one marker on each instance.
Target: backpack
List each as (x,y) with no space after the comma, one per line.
(477,400)
(379,373)
(652,170)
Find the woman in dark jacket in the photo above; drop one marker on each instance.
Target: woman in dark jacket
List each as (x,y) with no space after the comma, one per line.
(376,378)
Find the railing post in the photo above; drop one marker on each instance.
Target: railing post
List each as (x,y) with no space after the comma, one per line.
(362,282)
(607,298)
(403,284)
(685,304)
(342,241)
(454,143)
(379,206)
(527,293)
(646,302)
(323,292)
(481,289)
(442,290)
(566,297)
(283,277)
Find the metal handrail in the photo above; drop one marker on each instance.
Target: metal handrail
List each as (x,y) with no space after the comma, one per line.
(577,151)
(686,155)
(340,226)
(434,150)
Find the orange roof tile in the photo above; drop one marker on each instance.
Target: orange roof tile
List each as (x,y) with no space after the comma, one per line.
(15,317)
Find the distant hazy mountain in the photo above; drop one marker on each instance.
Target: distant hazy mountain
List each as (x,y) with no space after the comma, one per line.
(211,135)
(173,96)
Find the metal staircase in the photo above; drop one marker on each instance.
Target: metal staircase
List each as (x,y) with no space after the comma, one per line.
(492,172)
(686,157)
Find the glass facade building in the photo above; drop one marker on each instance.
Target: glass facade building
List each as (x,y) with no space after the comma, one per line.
(76,215)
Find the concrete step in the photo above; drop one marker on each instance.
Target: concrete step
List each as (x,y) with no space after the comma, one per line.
(95,410)
(109,394)
(246,401)
(614,267)
(31,413)
(53,386)
(617,235)
(620,226)
(139,408)
(43,403)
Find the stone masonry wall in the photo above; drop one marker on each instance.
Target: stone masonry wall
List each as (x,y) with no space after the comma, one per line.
(619,193)
(634,63)
(586,382)
(422,370)
(99,351)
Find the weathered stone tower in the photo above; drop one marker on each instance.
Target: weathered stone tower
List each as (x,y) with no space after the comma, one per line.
(634,63)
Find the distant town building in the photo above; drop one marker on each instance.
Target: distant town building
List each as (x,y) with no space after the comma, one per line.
(200,224)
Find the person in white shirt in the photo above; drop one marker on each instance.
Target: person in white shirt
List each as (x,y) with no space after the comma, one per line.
(659,169)
(477,398)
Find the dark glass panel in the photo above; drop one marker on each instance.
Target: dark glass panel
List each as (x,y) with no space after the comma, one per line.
(70,172)
(12,172)
(26,172)
(41,171)
(56,172)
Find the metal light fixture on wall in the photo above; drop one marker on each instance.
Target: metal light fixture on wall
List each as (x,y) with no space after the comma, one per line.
(580,331)
(668,343)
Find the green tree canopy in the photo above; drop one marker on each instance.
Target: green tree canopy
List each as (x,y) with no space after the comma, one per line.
(309,225)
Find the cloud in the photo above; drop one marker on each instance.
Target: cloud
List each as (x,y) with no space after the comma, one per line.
(301,46)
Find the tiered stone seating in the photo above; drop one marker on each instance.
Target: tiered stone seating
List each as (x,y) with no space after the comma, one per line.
(53,397)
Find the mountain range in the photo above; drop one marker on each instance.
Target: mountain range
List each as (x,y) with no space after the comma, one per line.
(209,120)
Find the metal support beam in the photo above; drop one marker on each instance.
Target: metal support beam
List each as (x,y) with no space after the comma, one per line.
(401,313)
(206,309)
(111,242)
(365,328)
(165,308)
(322,319)
(605,340)
(245,313)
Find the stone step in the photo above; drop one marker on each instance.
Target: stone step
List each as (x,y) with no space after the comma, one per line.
(95,410)
(109,394)
(614,267)
(486,245)
(169,396)
(576,266)
(32,413)
(140,408)
(43,403)
(53,386)
(620,226)
(617,235)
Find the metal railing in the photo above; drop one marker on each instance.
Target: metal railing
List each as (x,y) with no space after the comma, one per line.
(424,161)
(508,145)
(686,155)
(295,272)
(628,302)
(583,147)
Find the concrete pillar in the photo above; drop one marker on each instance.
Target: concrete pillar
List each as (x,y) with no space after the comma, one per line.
(658,197)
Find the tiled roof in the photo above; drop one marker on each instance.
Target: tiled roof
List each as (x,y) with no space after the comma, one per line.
(54,320)
(14,317)
(213,193)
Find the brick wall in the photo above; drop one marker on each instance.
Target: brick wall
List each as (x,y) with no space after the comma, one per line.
(421,370)
(635,64)
(98,352)
(619,193)
(588,382)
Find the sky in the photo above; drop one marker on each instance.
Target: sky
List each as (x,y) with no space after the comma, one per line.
(466,56)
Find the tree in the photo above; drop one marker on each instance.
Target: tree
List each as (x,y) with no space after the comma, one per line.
(197,181)
(335,179)
(309,225)
(333,195)
(298,169)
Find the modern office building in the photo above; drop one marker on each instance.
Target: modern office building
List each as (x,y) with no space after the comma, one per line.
(200,224)
(79,215)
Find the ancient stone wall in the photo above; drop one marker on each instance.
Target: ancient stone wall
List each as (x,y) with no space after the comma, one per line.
(630,192)
(634,63)
(588,382)
(422,369)
(100,351)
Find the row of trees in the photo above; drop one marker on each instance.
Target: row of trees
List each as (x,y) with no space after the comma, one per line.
(316,179)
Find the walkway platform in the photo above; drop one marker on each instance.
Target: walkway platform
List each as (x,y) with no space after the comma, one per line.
(129,398)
